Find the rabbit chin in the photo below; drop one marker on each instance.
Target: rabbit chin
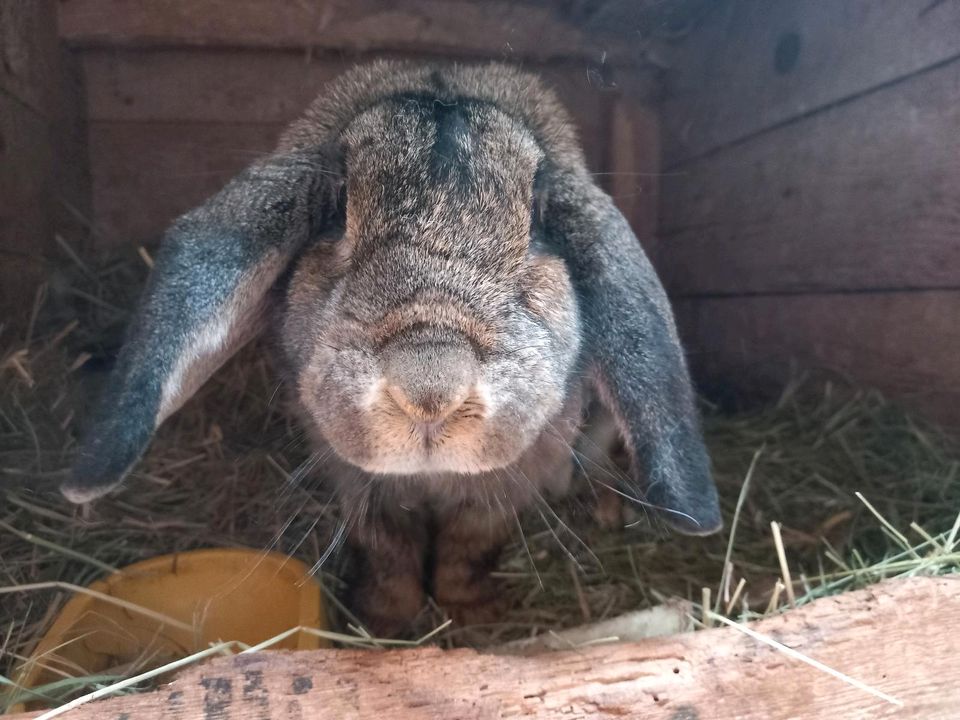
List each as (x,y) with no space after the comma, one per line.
(408,451)
(484,433)
(445,464)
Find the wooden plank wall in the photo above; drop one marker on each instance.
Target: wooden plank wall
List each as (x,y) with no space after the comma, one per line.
(183,94)
(28,54)
(43,183)
(811,193)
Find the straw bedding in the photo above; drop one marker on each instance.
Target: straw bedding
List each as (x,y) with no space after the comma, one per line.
(224,472)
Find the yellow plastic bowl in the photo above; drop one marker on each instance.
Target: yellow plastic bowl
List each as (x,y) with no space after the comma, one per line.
(212,595)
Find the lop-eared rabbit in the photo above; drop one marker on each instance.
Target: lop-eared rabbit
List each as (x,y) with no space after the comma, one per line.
(449,287)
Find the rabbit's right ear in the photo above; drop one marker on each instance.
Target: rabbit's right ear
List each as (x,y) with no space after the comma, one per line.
(205,299)
(634,353)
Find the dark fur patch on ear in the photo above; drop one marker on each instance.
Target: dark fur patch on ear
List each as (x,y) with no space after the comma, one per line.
(635,353)
(205,298)
(106,457)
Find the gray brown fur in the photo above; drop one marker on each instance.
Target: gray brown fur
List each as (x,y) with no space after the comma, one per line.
(444,324)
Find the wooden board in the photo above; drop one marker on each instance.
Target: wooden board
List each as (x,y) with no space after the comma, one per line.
(905,343)
(270,86)
(865,195)
(25,156)
(587,100)
(204,85)
(733,77)
(146,174)
(28,91)
(898,637)
(492,28)
(262,85)
(71,204)
(168,128)
(631,173)
(28,53)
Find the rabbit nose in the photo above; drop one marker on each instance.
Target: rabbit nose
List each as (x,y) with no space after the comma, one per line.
(429,382)
(426,408)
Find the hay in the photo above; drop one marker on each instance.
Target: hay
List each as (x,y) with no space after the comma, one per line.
(224,472)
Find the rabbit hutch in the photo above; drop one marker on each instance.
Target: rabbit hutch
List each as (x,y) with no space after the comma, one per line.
(792,171)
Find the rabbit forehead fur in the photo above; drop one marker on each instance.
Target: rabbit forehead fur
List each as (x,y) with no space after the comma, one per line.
(521,95)
(431,339)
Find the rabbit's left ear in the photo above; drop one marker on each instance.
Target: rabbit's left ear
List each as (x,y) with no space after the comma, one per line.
(205,299)
(632,345)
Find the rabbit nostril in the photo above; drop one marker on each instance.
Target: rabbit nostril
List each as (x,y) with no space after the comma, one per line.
(426,408)
(429,381)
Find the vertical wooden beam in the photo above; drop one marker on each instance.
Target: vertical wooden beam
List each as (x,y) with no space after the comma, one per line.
(28,58)
(44,183)
(633,167)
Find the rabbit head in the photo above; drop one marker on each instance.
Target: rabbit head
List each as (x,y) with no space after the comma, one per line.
(432,334)
(443,271)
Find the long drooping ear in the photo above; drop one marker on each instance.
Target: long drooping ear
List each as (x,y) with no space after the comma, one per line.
(635,354)
(205,299)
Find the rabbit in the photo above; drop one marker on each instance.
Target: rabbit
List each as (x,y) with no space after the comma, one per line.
(449,288)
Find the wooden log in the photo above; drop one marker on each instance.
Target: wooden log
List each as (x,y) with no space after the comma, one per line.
(755,64)
(898,637)
(494,28)
(904,343)
(859,196)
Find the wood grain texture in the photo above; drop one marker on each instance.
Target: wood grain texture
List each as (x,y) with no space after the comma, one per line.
(204,85)
(587,101)
(28,53)
(28,96)
(865,195)
(71,204)
(897,637)
(632,169)
(26,225)
(906,344)
(270,86)
(146,174)
(732,77)
(169,128)
(263,85)
(495,28)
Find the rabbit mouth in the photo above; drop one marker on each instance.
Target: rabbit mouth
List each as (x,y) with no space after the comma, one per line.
(432,433)
(454,442)
(435,434)
(452,430)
